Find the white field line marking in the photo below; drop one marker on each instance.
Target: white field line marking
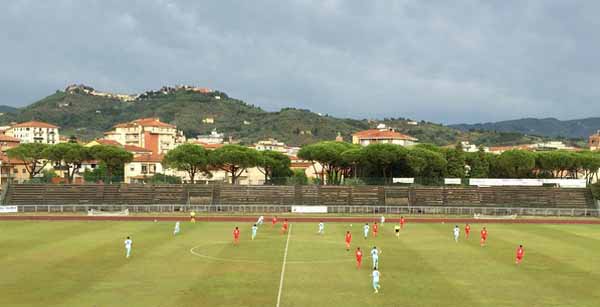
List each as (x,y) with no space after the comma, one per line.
(196,251)
(287,242)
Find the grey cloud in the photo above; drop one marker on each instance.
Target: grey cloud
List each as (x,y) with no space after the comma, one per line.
(444,61)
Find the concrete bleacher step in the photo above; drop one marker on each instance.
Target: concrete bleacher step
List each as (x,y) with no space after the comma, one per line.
(27,194)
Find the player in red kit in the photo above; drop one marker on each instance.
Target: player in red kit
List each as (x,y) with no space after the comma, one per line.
(284,227)
(484,234)
(467,230)
(236,235)
(273,221)
(348,240)
(402,221)
(520,254)
(358,257)
(375,229)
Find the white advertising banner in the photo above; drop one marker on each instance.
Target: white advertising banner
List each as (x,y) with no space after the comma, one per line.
(403,180)
(309,209)
(567,183)
(9,209)
(492,182)
(563,183)
(452,181)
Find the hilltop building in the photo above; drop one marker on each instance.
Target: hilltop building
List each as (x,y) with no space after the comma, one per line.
(148,133)
(81,88)
(34,132)
(382,135)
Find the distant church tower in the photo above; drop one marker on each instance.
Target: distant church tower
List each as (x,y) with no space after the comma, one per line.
(339,137)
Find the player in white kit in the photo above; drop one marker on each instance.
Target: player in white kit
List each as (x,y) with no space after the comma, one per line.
(128,243)
(260,221)
(254,230)
(177,228)
(382,220)
(375,275)
(375,256)
(366,230)
(321,228)
(456,233)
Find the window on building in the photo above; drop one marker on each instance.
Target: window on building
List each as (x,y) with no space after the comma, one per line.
(152,168)
(144,169)
(23,171)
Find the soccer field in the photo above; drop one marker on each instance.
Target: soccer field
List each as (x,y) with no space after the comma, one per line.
(83,264)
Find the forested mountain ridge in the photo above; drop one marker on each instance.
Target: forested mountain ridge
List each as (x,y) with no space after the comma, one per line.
(81,111)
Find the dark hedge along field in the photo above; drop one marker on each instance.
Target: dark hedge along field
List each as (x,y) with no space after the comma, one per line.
(45,263)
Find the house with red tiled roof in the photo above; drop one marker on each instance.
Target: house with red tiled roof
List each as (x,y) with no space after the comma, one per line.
(136,150)
(34,132)
(7,142)
(149,133)
(12,170)
(143,167)
(207,146)
(382,135)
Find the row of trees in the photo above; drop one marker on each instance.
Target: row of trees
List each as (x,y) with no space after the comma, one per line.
(233,159)
(68,157)
(191,158)
(431,163)
(339,161)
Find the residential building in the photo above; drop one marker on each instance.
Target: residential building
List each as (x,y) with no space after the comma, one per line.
(468,147)
(12,170)
(311,170)
(148,133)
(142,167)
(35,132)
(500,149)
(213,138)
(7,142)
(207,146)
(135,150)
(552,145)
(382,135)
(594,141)
(272,145)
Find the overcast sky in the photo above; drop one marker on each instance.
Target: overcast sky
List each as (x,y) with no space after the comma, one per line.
(443,61)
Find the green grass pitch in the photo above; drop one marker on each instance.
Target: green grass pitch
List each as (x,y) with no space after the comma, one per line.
(83,264)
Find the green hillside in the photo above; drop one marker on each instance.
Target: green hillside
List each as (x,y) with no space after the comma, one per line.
(87,116)
(551,127)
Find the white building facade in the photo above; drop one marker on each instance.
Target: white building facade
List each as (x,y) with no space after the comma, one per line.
(35,132)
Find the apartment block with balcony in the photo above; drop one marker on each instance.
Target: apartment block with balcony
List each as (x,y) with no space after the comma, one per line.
(148,133)
(34,132)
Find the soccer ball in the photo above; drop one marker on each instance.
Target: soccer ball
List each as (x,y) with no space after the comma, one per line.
(155,221)
(350,225)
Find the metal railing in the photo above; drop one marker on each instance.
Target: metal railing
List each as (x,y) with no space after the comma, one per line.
(255,209)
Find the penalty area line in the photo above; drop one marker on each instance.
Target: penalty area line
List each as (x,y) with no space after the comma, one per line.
(287,242)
